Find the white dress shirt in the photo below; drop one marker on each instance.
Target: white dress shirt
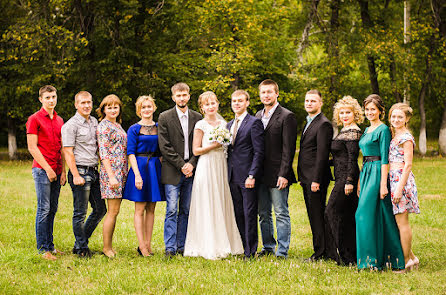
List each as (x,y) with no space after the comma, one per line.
(265,119)
(184,120)
(240,120)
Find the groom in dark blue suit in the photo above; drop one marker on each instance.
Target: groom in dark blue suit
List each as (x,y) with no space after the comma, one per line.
(245,158)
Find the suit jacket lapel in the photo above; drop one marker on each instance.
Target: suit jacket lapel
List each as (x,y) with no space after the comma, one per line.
(176,120)
(190,123)
(318,117)
(274,116)
(240,128)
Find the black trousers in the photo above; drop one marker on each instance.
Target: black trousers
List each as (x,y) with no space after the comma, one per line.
(315,203)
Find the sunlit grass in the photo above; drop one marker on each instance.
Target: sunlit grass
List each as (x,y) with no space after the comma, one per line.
(22,271)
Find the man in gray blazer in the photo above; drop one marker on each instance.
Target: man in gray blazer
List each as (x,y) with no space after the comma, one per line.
(175,134)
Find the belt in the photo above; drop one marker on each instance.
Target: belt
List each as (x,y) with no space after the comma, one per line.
(371,159)
(148,155)
(95,168)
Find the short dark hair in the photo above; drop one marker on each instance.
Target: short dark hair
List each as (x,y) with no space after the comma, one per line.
(270,82)
(181,86)
(314,91)
(46,88)
(240,92)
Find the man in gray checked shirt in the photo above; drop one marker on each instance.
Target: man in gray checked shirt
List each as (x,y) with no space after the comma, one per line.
(80,150)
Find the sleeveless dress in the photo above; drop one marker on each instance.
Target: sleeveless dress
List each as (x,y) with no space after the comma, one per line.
(144,140)
(340,226)
(377,236)
(409,200)
(212,231)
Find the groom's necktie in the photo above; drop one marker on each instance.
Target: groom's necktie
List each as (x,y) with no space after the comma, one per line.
(235,130)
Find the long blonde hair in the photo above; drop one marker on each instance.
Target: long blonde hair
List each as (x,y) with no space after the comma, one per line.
(405,108)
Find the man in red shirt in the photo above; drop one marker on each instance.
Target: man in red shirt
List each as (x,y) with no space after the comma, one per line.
(43,131)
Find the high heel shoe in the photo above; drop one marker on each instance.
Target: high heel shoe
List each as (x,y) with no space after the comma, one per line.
(139,251)
(416,262)
(409,265)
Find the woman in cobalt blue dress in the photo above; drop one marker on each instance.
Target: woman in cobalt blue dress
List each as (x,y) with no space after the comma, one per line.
(144,180)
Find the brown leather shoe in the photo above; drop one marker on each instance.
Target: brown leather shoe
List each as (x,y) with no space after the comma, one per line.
(48,256)
(57,252)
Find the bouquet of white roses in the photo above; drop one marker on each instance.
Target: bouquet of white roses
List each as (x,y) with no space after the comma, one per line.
(221,135)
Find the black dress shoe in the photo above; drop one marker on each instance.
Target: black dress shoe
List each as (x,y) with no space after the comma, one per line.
(314,258)
(76,251)
(180,252)
(265,252)
(169,254)
(85,253)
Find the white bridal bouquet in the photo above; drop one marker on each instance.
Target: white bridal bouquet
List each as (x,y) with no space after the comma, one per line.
(220,135)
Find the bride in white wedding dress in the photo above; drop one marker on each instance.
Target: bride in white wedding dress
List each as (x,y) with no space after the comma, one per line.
(212,231)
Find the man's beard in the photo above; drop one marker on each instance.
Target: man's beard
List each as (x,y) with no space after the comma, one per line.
(182,106)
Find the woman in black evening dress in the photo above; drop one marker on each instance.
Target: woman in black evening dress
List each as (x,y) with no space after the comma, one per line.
(340,211)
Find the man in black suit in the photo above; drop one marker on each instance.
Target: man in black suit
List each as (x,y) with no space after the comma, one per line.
(313,168)
(245,159)
(280,126)
(175,135)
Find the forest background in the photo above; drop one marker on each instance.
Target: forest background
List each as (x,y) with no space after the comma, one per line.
(134,47)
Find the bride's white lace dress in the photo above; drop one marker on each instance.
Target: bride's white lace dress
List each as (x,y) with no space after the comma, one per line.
(212,231)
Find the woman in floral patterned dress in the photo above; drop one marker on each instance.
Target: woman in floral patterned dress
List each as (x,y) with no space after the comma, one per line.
(112,142)
(403,189)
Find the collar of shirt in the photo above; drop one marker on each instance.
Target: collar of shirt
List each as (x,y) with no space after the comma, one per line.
(44,113)
(80,118)
(181,114)
(271,111)
(311,118)
(241,117)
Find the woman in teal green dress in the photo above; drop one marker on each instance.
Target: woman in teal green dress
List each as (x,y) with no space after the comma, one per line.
(377,237)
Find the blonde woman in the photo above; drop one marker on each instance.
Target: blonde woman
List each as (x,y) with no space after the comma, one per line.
(340,211)
(112,142)
(403,189)
(212,231)
(144,180)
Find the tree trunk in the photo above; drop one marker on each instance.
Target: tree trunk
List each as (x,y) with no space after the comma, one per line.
(422,146)
(367,24)
(393,79)
(442,135)
(12,142)
(422,139)
(406,41)
(306,32)
(333,50)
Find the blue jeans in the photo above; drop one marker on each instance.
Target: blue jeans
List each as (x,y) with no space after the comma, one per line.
(175,224)
(82,194)
(47,201)
(269,197)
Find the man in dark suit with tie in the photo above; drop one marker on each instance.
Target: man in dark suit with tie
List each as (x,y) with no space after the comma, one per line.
(280,127)
(245,159)
(313,168)
(175,135)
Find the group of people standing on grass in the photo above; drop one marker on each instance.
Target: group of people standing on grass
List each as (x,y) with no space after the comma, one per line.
(216,192)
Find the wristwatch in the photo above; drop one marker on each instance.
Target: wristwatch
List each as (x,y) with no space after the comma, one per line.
(251,176)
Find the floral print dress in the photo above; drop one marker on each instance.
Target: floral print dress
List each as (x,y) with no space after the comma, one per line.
(112,142)
(409,200)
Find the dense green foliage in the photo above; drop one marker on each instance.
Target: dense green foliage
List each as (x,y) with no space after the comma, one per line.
(22,271)
(137,47)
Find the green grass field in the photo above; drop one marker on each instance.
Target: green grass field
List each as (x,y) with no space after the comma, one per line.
(22,271)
